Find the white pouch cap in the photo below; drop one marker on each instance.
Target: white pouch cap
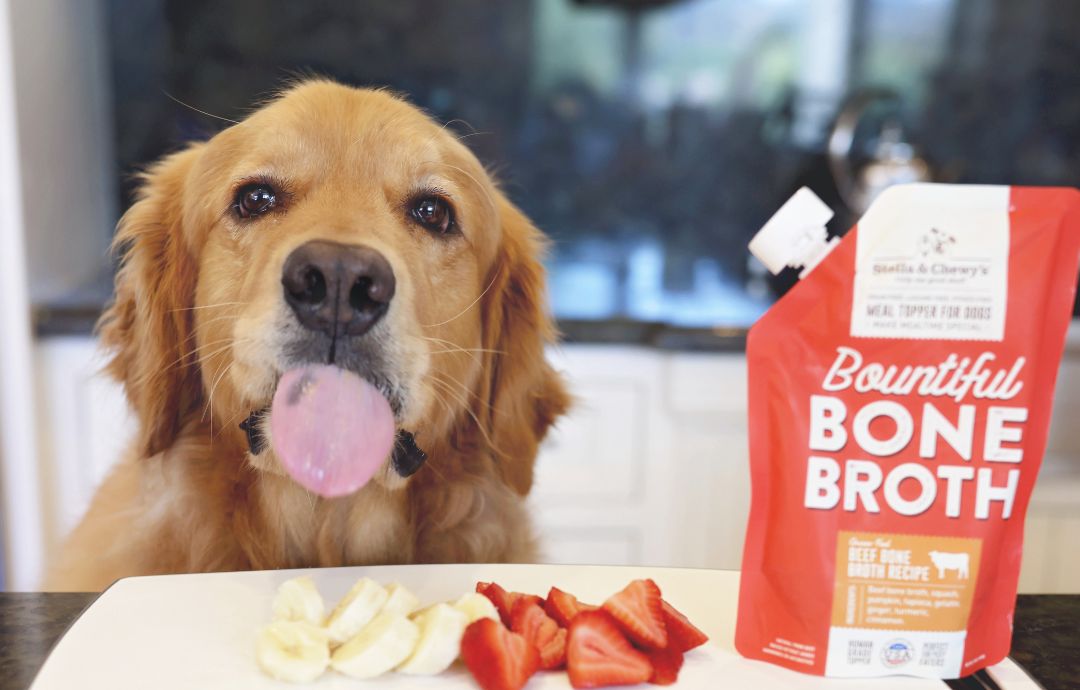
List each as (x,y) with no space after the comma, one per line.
(795,235)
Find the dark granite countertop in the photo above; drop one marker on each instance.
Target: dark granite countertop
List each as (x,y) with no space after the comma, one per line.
(78,318)
(76,313)
(1046,637)
(30,624)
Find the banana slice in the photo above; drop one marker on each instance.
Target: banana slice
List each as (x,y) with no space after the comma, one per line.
(298,600)
(293,651)
(476,606)
(355,610)
(384,643)
(441,627)
(400,600)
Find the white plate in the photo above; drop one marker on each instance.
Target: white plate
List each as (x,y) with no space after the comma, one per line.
(198,631)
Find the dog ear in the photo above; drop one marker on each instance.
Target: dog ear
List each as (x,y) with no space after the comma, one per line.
(525,394)
(148,327)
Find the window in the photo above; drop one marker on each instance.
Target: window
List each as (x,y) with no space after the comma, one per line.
(649,138)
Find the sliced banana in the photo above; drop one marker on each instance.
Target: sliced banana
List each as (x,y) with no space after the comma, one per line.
(355,610)
(293,651)
(476,606)
(384,643)
(441,627)
(298,600)
(400,600)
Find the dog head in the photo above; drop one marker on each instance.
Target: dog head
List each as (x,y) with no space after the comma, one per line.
(343,226)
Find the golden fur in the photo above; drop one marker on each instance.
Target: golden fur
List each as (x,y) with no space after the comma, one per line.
(196,330)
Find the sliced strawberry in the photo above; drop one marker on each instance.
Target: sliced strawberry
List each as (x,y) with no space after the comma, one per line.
(563,606)
(666,664)
(504,601)
(498,596)
(530,621)
(497,658)
(638,610)
(515,597)
(682,634)
(598,654)
(553,654)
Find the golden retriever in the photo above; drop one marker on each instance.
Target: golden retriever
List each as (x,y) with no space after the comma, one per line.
(202,328)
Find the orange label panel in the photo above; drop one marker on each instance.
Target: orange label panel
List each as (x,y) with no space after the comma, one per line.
(904,582)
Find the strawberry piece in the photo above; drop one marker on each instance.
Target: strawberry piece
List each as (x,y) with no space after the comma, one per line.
(638,610)
(530,621)
(553,654)
(598,654)
(497,658)
(498,597)
(515,597)
(563,606)
(504,601)
(666,664)
(682,634)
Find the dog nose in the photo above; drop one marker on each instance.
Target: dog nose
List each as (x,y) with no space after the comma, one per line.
(339,289)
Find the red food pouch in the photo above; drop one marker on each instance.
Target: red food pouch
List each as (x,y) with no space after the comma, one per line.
(899,402)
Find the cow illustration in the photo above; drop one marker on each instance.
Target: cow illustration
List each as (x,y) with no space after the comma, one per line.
(945,561)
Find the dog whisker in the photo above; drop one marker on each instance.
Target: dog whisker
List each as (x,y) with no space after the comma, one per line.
(465,406)
(484,193)
(179,362)
(201,112)
(213,387)
(208,306)
(203,353)
(447,124)
(467,350)
(455,347)
(466,309)
(463,388)
(199,353)
(438,473)
(219,317)
(449,411)
(210,397)
(459,137)
(456,350)
(200,356)
(195,333)
(231,422)
(228,341)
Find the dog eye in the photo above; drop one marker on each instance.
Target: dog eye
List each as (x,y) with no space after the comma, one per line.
(254,199)
(434,213)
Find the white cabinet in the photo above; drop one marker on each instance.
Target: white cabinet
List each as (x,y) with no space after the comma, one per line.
(598,494)
(1052,538)
(650,466)
(85,425)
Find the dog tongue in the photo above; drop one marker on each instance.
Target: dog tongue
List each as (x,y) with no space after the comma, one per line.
(330,428)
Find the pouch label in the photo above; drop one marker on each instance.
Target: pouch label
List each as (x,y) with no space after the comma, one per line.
(904,582)
(942,275)
(901,599)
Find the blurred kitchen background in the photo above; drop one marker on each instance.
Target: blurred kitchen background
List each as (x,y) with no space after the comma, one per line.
(649,138)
